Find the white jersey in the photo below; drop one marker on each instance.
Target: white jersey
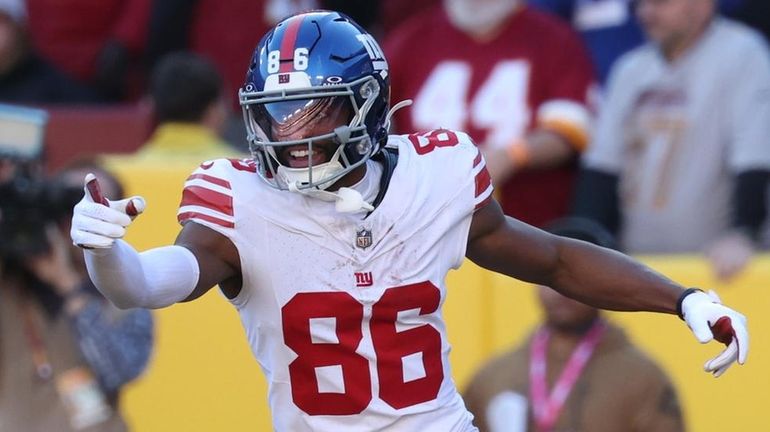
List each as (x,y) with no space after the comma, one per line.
(343,311)
(677,133)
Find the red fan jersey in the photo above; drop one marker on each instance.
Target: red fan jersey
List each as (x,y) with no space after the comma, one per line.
(533,72)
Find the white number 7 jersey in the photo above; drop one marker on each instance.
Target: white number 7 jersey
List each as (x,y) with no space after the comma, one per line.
(343,312)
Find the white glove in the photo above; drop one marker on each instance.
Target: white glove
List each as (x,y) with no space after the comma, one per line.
(709,319)
(98,222)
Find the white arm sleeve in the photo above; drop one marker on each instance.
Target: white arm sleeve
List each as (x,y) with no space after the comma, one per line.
(153,279)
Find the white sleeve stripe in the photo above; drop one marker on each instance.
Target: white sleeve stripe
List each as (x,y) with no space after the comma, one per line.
(484,195)
(205,211)
(208,185)
(477,169)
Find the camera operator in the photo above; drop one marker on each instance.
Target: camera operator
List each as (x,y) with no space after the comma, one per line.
(65,352)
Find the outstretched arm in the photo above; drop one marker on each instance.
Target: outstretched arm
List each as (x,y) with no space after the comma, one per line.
(155,278)
(602,278)
(593,275)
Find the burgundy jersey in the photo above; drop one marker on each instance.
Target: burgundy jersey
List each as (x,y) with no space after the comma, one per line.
(71,33)
(226,32)
(394,12)
(534,72)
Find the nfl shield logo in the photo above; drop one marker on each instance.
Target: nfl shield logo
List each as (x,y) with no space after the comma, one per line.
(363,238)
(284,78)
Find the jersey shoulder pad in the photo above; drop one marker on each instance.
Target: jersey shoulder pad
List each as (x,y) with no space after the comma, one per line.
(452,157)
(208,192)
(439,142)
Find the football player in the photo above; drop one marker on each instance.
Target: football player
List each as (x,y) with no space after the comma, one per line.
(334,240)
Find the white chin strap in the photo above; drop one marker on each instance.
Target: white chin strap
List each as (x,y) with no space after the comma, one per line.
(346,200)
(403,104)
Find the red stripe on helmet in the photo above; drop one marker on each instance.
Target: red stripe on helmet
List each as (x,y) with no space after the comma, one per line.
(288,43)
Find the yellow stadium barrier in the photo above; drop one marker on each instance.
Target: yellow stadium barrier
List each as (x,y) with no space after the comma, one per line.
(202,376)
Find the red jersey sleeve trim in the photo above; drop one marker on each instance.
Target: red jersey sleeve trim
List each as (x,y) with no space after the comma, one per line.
(211,179)
(483,181)
(207,198)
(182,217)
(483,202)
(478,159)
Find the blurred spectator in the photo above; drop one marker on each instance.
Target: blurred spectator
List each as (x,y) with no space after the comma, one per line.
(681,150)
(516,79)
(98,42)
(224,32)
(24,76)
(187,99)
(609,28)
(575,372)
(65,352)
(227,32)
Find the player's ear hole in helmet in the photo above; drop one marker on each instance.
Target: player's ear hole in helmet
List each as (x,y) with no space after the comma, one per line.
(315,101)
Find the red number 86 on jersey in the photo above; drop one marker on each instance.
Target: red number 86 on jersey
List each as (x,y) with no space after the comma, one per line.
(391,346)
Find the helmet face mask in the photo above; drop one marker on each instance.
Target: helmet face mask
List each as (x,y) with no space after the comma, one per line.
(308,128)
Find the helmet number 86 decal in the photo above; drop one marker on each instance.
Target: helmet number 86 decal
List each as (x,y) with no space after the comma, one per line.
(274,60)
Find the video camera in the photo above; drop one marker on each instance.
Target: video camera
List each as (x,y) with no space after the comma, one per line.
(28,202)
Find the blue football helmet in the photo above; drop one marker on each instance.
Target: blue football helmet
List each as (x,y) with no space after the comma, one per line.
(315,101)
